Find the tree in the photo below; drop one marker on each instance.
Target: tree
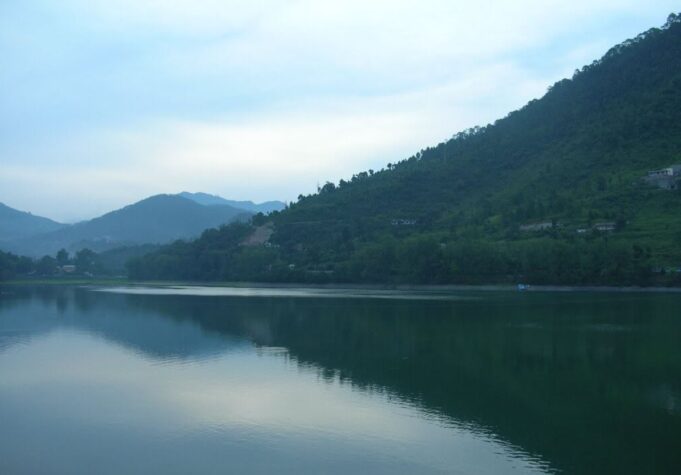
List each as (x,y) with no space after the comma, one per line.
(86,260)
(62,257)
(46,266)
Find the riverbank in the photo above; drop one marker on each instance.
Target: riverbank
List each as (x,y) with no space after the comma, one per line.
(393,287)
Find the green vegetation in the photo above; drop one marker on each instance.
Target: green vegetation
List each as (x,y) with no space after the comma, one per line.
(455,213)
(83,264)
(12,265)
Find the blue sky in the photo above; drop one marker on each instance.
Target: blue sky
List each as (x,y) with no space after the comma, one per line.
(104,102)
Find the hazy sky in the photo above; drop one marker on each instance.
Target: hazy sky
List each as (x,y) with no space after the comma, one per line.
(104,102)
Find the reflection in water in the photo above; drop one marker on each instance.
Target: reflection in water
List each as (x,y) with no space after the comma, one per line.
(490,383)
(292,292)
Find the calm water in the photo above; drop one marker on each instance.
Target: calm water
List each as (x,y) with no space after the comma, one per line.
(200,380)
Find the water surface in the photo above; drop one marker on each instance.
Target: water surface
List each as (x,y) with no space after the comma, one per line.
(210,380)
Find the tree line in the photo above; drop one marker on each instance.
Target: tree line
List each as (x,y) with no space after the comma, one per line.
(85,261)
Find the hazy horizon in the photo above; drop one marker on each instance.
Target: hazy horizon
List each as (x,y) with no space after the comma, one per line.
(106,103)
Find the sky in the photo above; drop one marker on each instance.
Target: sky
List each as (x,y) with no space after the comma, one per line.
(106,102)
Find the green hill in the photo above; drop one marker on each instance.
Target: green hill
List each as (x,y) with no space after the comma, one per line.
(552,193)
(157,219)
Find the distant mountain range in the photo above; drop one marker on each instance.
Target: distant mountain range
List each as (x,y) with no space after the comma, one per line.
(209,200)
(15,224)
(155,220)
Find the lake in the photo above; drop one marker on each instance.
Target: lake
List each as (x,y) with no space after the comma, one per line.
(203,380)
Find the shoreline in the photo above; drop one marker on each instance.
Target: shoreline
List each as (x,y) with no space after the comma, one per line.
(393,287)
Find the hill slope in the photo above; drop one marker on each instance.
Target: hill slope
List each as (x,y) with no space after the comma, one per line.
(157,219)
(551,193)
(15,224)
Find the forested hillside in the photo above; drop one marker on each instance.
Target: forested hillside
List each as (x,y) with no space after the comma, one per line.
(552,193)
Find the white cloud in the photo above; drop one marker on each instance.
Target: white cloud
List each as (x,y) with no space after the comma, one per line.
(276,155)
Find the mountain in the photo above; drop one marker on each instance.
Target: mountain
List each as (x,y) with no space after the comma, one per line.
(15,224)
(157,219)
(209,200)
(556,192)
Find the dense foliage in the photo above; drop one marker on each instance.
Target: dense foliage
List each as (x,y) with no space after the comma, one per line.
(83,263)
(12,265)
(463,211)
